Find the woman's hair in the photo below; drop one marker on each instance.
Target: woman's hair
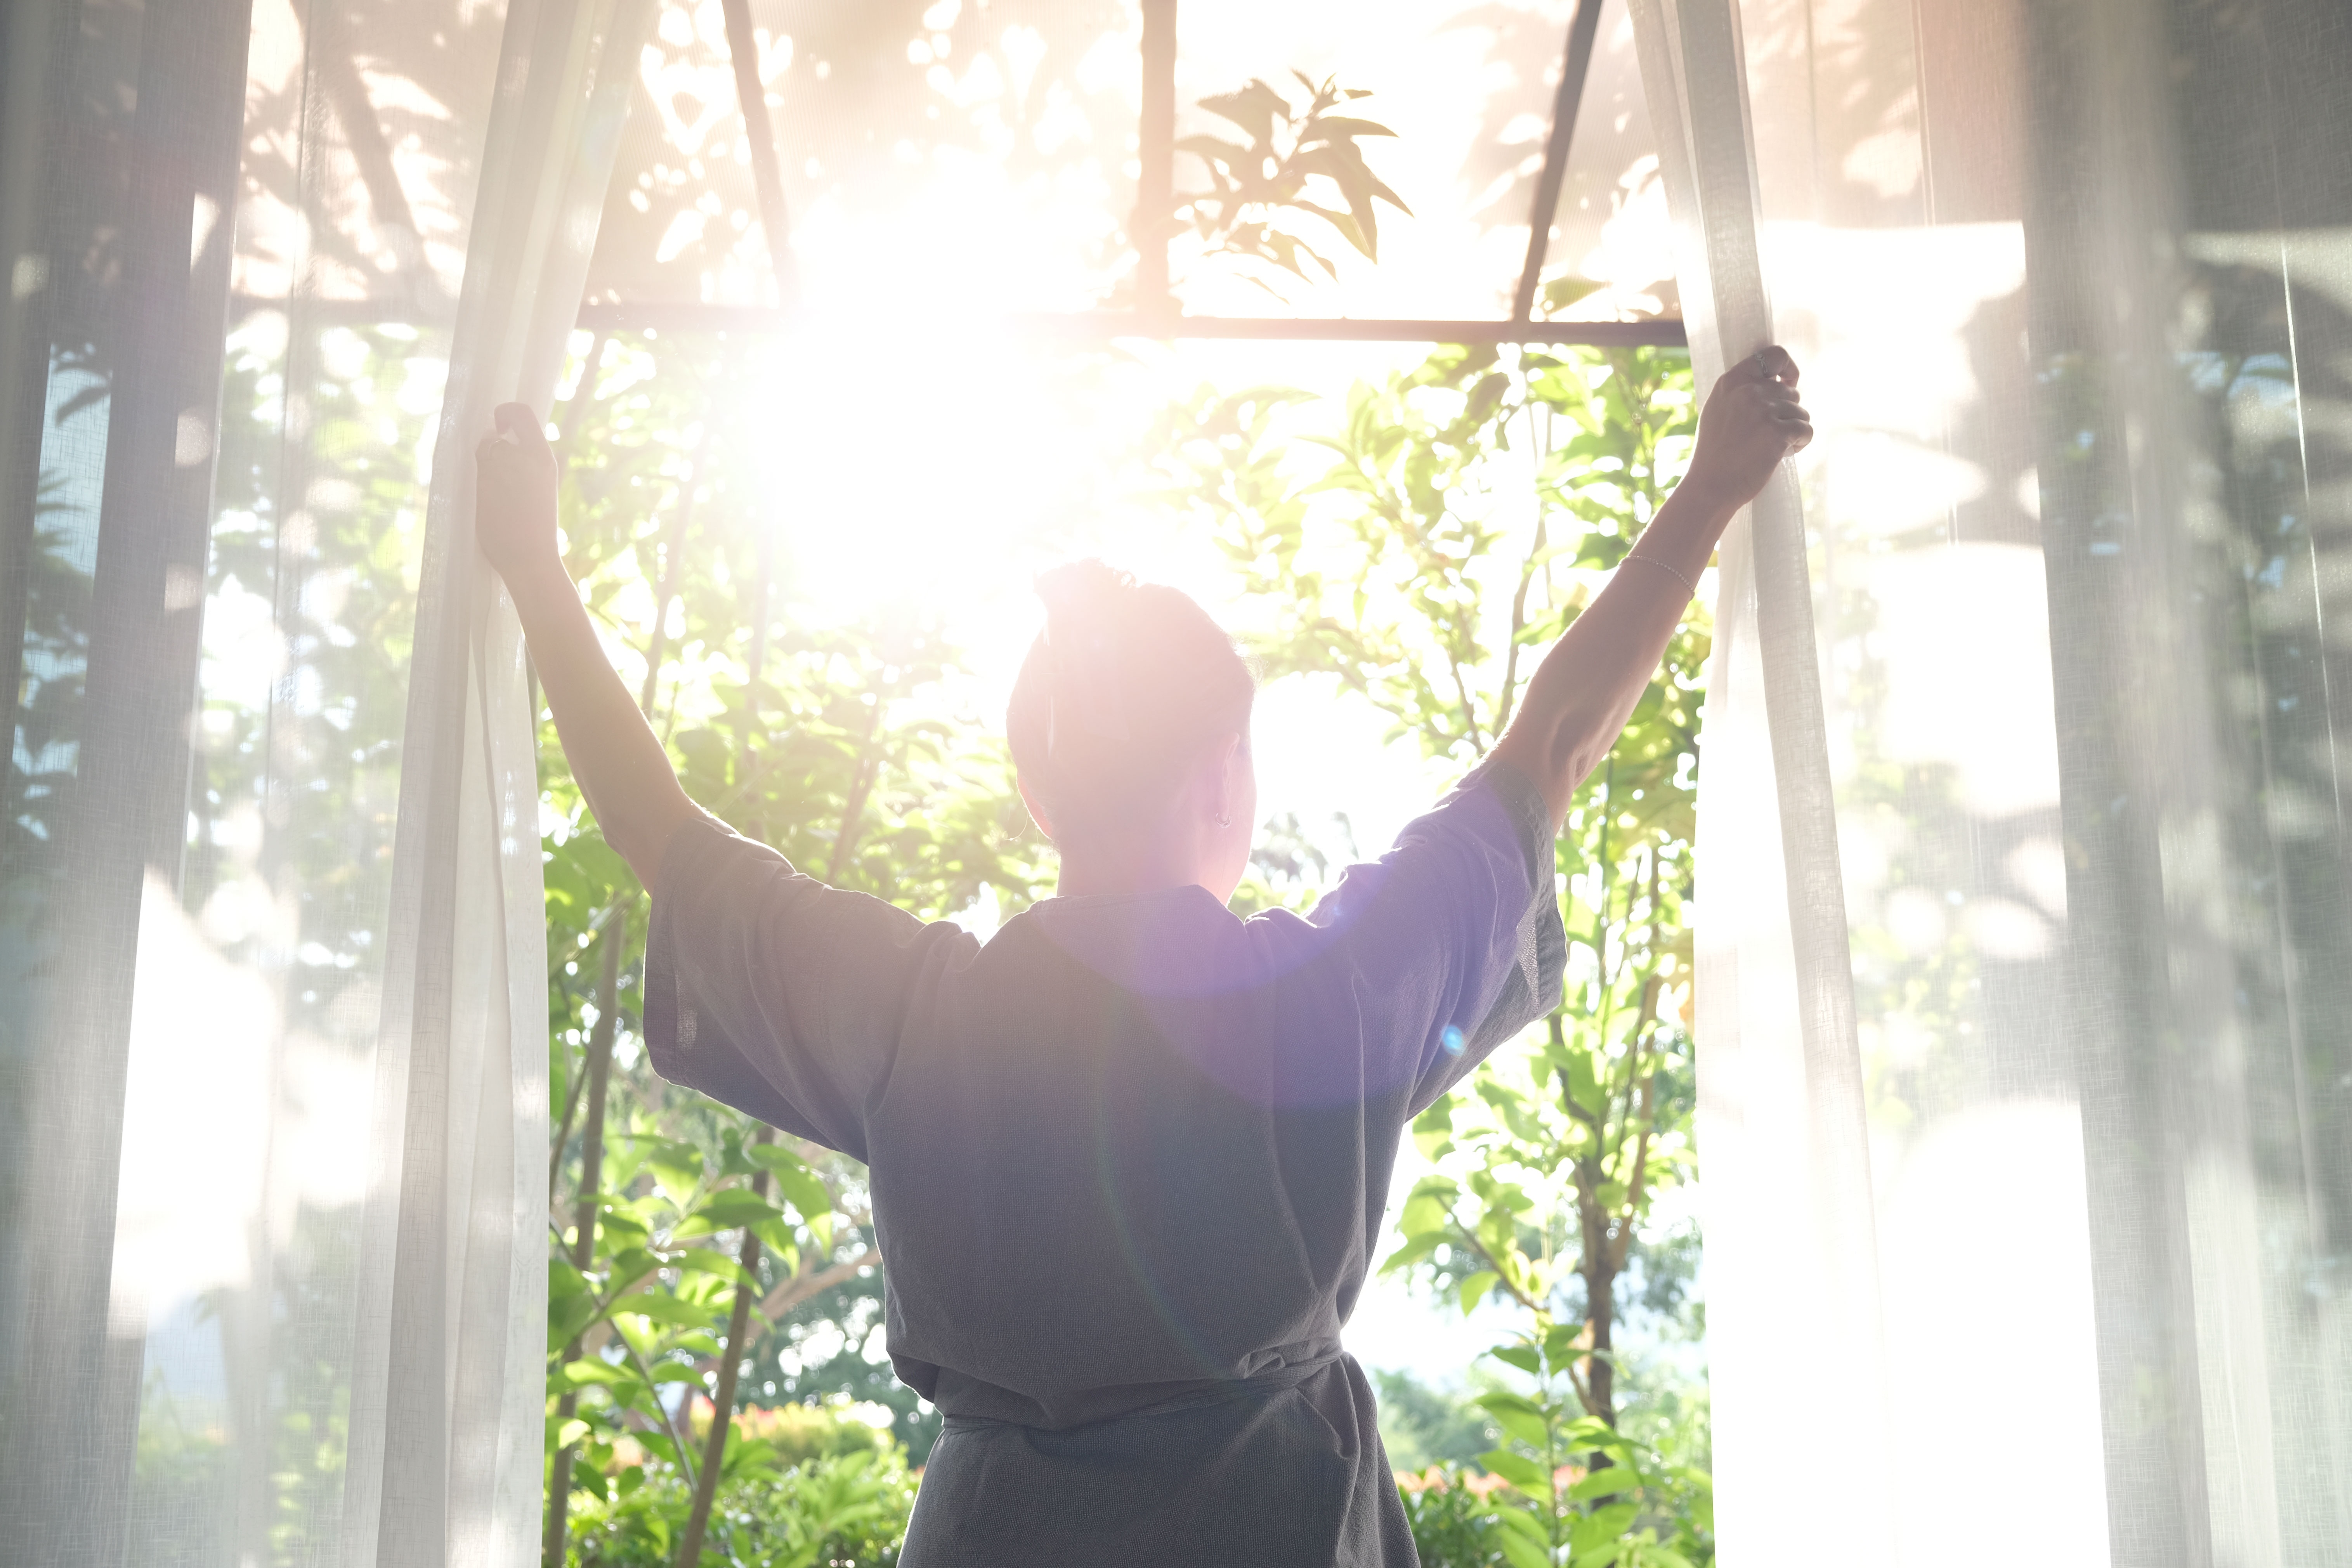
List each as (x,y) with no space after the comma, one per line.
(1125,682)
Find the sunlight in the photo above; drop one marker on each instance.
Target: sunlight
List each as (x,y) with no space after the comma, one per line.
(1011,456)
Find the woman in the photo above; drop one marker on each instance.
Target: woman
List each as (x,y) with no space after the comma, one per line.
(1129,1155)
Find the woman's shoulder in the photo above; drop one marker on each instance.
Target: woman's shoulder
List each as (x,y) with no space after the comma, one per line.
(1160,940)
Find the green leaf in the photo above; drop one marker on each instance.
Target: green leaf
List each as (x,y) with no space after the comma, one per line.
(1473,1289)
(1256,109)
(1605,1483)
(1525,1357)
(1566,290)
(1519,1417)
(1612,1522)
(1592,1432)
(1340,125)
(663,1308)
(801,1187)
(1577,916)
(731,1209)
(1523,1522)
(1424,1212)
(571,1301)
(1583,1089)
(778,1235)
(1414,1251)
(587,1372)
(619,1226)
(1520,1471)
(702,1260)
(1521,1551)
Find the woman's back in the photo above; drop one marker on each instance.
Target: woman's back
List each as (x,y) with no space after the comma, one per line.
(1129,1159)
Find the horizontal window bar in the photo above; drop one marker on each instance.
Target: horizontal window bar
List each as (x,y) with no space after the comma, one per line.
(1104,325)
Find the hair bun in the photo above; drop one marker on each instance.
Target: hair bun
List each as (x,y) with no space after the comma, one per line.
(1081,590)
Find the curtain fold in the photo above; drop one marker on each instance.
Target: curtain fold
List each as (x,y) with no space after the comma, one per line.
(454,1246)
(1792,1272)
(272,1064)
(2071,285)
(122,135)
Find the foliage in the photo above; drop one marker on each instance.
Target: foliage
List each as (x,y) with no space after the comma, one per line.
(1259,187)
(645,1309)
(796,1433)
(1455,1519)
(848,1508)
(1462,519)
(1421,1426)
(1532,1509)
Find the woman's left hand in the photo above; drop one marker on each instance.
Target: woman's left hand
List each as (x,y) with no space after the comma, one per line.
(1753,420)
(515,499)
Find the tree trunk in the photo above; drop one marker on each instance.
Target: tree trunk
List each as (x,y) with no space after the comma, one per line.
(722,1398)
(591,1180)
(1599,1317)
(1600,1312)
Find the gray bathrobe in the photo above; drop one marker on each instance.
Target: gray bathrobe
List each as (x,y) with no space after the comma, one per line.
(1128,1158)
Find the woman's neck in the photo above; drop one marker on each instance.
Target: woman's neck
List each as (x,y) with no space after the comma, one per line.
(1128,865)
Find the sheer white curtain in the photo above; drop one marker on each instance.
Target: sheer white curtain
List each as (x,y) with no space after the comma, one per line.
(273,1169)
(2073,287)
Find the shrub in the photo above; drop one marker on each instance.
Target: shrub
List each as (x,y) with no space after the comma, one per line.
(846,1508)
(1453,1514)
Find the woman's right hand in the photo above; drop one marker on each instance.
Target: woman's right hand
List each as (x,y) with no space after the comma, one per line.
(1753,420)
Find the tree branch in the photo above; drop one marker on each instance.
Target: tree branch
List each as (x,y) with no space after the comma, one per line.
(802,1287)
(1501,1273)
(1583,1393)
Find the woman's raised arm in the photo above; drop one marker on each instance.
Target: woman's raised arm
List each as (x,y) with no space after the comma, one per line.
(1585,689)
(620,764)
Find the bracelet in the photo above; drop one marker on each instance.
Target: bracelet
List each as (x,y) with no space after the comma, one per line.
(1654,561)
